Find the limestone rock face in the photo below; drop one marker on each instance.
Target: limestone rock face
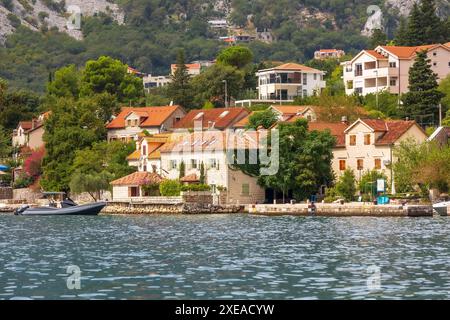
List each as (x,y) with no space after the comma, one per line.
(36,14)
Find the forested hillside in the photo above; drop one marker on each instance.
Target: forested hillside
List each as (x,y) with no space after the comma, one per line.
(147,34)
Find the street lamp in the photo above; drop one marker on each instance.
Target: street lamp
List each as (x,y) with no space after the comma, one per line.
(226,92)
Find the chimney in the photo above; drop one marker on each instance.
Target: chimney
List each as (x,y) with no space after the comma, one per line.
(344,120)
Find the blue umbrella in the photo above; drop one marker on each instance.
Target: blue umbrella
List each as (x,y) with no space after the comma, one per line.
(3,167)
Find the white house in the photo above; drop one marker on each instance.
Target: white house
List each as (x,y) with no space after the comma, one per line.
(387,68)
(288,81)
(210,148)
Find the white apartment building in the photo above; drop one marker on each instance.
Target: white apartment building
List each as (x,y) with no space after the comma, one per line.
(288,81)
(155,81)
(387,68)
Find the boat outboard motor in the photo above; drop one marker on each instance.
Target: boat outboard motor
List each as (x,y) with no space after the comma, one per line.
(21,210)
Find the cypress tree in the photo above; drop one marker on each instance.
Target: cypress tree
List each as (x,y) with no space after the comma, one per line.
(202,174)
(414,31)
(423,97)
(402,33)
(179,90)
(182,170)
(433,27)
(378,38)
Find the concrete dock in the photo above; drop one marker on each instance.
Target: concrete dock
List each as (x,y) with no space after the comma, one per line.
(343,210)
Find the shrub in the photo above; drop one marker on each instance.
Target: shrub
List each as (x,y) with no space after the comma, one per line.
(170,188)
(151,190)
(346,185)
(195,187)
(23,181)
(368,183)
(14,20)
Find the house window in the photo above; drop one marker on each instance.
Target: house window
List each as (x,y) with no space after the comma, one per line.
(315,76)
(245,189)
(393,64)
(133,192)
(393,82)
(358,90)
(129,123)
(144,168)
(305,79)
(360,164)
(144,150)
(135,122)
(213,164)
(435,54)
(435,64)
(342,165)
(173,164)
(194,164)
(377,164)
(358,70)
(367,139)
(305,93)
(353,140)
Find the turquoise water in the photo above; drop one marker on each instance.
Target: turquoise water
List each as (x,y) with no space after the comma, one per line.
(224,256)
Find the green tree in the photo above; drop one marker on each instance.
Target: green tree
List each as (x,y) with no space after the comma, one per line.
(182,170)
(401,36)
(444,87)
(109,75)
(66,83)
(304,160)
(91,183)
(170,188)
(236,56)
(209,85)
(378,38)
(346,185)
(180,90)
(202,173)
(73,125)
(5,146)
(266,119)
(423,96)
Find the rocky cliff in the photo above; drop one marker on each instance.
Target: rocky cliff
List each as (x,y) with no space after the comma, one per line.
(41,14)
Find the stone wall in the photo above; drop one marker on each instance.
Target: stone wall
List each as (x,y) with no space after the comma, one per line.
(6,193)
(26,195)
(203,197)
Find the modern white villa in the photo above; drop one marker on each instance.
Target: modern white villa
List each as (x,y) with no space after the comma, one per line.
(387,68)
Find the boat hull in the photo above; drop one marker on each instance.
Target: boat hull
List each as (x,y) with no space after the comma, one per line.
(92,209)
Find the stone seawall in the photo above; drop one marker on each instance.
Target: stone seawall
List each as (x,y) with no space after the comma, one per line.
(6,193)
(346,210)
(181,208)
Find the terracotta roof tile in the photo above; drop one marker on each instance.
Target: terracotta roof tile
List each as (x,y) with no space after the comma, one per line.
(192,178)
(289,110)
(376,124)
(138,179)
(295,67)
(336,129)
(243,122)
(152,116)
(396,129)
(222,118)
(26,125)
(407,52)
(376,55)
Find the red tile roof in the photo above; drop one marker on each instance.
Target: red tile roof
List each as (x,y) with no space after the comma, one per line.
(26,125)
(222,118)
(289,110)
(395,129)
(376,124)
(295,67)
(151,116)
(212,141)
(192,178)
(336,129)
(190,66)
(138,179)
(376,55)
(408,52)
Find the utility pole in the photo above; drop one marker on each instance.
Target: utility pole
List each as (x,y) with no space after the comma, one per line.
(440,115)
(376,81)
(226,93)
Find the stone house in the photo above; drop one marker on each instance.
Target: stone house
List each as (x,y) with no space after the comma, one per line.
(131,121)
(131,186)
